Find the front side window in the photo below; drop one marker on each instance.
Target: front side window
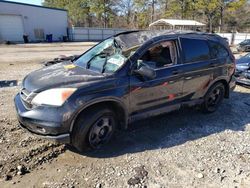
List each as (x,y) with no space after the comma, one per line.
(194,50)
(217,50)
(161,55)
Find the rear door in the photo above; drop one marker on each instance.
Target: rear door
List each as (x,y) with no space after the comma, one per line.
(197,67)
(221,60)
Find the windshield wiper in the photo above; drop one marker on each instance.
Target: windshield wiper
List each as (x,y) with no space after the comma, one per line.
(100,54)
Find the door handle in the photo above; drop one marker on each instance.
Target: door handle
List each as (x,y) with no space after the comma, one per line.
(212,65)
(175,72)
(188,78)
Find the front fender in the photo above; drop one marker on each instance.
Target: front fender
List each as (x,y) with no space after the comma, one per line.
(101,100)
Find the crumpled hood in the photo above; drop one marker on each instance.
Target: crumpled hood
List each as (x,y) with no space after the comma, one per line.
(58,75)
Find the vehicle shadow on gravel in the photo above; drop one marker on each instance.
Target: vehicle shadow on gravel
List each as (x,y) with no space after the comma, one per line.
(178,127)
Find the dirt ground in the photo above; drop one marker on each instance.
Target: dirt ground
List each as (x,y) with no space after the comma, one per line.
(185,148)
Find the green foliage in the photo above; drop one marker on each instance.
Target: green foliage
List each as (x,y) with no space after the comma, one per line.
(140,13)
(79,10)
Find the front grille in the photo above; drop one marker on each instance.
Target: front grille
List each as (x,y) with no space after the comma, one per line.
(27,97)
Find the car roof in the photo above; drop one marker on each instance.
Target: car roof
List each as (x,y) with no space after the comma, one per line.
(129,39)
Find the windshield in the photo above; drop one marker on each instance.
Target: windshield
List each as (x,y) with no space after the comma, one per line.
(106,57)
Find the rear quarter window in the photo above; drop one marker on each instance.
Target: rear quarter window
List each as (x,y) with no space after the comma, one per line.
(195,50)
(217,50)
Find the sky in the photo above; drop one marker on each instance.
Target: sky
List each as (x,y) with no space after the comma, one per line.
(34,2)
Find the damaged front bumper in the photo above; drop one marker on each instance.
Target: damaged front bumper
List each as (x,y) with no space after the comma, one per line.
(32,120)
(243,77)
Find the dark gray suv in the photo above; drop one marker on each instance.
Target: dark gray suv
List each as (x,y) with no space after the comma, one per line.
(127,77)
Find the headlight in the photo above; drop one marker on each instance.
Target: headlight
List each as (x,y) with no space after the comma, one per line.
(53,97)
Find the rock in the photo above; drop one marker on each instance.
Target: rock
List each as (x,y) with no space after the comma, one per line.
(240,172)
(7,177)
(223,171)
(217,170)
(133,181)
(140,172)
(222,178)
(200,175)
(140,175)
(21,170)
(98,185)
(19,173)
(19,167)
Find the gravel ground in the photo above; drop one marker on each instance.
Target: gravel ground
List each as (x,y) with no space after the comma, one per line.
(181,149)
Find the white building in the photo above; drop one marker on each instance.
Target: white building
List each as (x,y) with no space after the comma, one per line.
(18,19)
(176,24)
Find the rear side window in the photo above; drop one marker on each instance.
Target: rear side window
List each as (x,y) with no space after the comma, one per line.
(217,50)
(195,50)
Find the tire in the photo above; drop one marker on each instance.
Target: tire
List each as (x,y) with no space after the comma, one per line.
(213,98)
(93,129)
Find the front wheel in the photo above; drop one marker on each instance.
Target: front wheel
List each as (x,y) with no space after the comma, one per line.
(213,98)
(93,129)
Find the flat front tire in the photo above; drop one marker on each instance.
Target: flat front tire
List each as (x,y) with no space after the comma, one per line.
(93,129)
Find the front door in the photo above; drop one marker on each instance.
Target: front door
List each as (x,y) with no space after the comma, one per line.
(166,88)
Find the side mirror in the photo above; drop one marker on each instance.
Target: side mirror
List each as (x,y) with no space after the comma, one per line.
(146,71)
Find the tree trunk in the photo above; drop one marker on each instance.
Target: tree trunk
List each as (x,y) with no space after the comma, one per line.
(210,24)
(182,9)
(128,17)
(193,9)
(105,14)
(221,19)
(89,20)
(166,5)
(153,11)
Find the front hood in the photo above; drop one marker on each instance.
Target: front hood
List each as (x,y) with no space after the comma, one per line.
(58,75)
(243,44)
(243,60)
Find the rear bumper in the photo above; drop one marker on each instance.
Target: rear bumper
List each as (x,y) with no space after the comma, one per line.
(33,120)
(243,81)
(243,78)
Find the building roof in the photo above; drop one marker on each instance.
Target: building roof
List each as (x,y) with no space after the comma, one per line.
(176,22)
(38,6)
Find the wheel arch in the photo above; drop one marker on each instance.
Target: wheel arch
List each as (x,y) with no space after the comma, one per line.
(115,104)
(226,85)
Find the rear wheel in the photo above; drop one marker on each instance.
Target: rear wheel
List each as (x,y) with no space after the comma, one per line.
(213,98)
(93,129)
